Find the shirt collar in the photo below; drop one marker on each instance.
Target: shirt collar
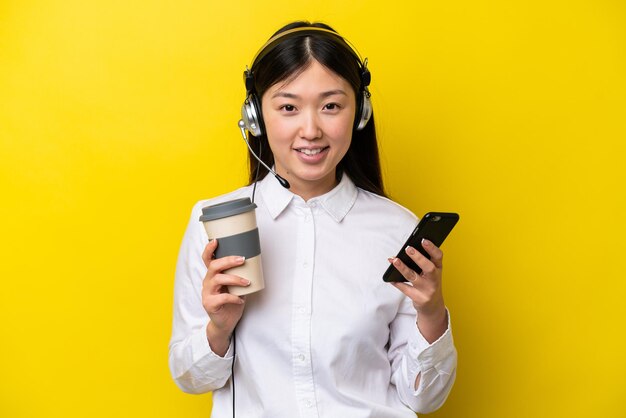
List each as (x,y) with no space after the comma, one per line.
(275,196)
(336,202)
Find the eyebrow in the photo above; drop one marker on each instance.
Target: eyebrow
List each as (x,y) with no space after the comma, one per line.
(295,96)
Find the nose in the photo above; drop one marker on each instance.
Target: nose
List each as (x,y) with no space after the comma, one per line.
(310,128)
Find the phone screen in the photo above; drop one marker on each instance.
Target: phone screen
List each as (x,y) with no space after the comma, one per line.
(435,227)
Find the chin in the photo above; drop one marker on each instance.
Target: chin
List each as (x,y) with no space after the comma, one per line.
(322,179)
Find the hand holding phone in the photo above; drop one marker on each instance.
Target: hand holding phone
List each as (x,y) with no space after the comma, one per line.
(435,227)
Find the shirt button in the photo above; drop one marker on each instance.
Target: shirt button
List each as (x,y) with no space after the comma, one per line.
(313,205)
(305,264)
(301,309)
(309,403)
(301,358)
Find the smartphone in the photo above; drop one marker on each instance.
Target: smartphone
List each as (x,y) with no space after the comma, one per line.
(435,227)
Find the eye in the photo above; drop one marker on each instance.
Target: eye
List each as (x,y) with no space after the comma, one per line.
(332,106)
(288,108)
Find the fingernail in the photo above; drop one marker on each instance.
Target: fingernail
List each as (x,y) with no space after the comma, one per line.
(410,250)
(245,282)
(241,259)
(390,259)
(396,262)
(425,242)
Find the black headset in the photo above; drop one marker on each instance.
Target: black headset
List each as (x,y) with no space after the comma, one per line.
(251,110)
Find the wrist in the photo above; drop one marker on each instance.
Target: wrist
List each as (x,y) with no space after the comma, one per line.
(433,313)
(432,324)
(219,340)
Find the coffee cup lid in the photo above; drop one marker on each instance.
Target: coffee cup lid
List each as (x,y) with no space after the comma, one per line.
(226,209)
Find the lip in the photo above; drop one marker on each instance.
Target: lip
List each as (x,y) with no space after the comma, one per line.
(314,158)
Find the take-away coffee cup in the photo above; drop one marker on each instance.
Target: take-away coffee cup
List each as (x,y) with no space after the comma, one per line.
(233,223)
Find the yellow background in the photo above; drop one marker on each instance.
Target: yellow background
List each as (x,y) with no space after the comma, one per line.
(116,116)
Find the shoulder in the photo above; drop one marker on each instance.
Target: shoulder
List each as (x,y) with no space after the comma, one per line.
(383,209)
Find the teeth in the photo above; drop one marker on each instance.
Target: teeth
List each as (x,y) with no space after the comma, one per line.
(311,151)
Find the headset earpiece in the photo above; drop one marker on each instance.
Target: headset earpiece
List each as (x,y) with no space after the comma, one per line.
(364,104)
(364,113)
(251,108)
(250,116)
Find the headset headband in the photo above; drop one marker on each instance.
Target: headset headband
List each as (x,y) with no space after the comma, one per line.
(274,40)
(302,31)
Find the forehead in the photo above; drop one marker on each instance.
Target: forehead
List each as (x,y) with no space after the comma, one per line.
(313,77)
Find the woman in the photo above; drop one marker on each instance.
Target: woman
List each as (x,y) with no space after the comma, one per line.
(326,337)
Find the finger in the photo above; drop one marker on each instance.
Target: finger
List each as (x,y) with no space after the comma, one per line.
(217,302)
(403,287)
(217,265)
(209,252)
(427,266)
(436,255)
(406,272)
(408,290)
(220,280)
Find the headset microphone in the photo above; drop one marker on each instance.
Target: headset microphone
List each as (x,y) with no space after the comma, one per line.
(282,181)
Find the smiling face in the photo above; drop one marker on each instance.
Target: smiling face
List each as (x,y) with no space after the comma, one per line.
(308,120)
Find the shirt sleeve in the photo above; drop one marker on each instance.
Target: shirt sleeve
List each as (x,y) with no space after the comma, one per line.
(194,367)
(411,355)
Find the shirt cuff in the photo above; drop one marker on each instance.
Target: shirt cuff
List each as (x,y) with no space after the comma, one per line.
(424,356)
(201,350)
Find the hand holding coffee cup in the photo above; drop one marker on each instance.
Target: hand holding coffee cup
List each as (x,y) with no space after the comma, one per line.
(233,224)
(224,309)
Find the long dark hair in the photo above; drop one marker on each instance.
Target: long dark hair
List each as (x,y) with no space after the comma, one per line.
(287,60)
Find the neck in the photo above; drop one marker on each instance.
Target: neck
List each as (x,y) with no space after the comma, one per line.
(310,189)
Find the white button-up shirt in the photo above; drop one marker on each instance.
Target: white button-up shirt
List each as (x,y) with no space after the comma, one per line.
(326,337)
